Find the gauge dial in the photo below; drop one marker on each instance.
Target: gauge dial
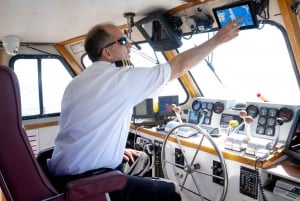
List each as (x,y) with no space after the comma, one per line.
(252,111)
(196,105)
(286,114)
(260,130)
(270,131)
(209,106)
(271,121)
(218,107)
(273,112)
(262,120)
(263,111)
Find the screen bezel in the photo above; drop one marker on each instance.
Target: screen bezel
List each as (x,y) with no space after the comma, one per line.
(175,100)
(287,149)
(172,39)
(149,108)
(237,4)
(194,117)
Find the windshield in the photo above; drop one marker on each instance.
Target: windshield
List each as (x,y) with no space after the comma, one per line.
(258,61)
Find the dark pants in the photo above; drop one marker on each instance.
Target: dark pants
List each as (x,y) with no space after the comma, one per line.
(146,189)
(137,188)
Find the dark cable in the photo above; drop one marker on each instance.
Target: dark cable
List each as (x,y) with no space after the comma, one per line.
(260,186)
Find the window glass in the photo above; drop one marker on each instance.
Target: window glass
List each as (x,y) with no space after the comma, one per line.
(27,73)
(55,79)
(86,62)
(257,61)
(146,57)
(42,82)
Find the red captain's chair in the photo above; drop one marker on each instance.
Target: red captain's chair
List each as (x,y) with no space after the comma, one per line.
(21,176)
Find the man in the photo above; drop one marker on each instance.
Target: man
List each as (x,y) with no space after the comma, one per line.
(97,107)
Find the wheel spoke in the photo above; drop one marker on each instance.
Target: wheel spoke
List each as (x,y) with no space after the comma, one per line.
(189,167)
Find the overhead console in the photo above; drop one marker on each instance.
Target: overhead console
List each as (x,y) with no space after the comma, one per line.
(161,30)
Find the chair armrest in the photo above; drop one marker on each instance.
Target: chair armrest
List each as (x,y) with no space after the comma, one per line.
(95,187)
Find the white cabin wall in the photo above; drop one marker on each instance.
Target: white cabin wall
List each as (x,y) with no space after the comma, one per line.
(25,49)
(42,138)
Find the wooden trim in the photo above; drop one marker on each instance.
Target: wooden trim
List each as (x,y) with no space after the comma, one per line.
(73,40)
(68,57)
(40,125)
(186,80)
(292,27)
(2,197)
(189,85)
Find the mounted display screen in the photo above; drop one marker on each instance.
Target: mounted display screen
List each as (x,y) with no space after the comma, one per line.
(144,109)
(230,12)
(161,31)
(164,105)
(292,145)
(194,117)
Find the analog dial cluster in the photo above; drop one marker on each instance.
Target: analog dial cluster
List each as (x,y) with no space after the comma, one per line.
(267,118)
(207,108)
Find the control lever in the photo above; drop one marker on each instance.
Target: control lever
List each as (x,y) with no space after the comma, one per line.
(238,142)
(177,111)
(204,112)
(279,122)
(259,146)
(182,131)
(171,124)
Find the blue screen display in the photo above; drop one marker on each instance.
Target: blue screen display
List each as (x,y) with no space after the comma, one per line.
(165,105)
(228,13)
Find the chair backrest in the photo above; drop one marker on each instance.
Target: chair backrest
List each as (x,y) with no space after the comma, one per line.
(21,176)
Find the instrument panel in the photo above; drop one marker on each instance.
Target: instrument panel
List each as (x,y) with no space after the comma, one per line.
(269,119)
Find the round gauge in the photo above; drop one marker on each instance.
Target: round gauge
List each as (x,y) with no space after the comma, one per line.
(262,120)
(271,121)
(204,105)
(260,130)
(208,113)
(207,121)
(263,111)
(209,106)
(286,114)
(270,131)
(252,111)
(272,112)
(218,107)
(196,105)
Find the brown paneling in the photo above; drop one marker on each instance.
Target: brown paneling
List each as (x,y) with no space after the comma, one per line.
(292,27)
(185,79)
(67,56)
(40,125)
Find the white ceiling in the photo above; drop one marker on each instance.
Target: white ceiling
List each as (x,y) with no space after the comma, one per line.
(54,21)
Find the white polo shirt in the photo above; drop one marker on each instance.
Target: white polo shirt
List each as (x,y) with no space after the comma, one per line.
(96,112)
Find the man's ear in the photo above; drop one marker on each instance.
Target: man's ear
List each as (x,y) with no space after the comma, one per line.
(106,55)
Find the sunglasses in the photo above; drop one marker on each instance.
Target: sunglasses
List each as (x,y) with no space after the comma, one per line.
(121,41)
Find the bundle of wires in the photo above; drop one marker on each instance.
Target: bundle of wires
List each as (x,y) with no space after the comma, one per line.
(261,8)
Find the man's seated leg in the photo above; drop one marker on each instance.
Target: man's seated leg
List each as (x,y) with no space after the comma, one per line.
(139,167)
(147,189)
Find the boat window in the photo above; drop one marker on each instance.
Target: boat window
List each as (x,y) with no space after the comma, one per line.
(144,56)
(258,61)
(42,82)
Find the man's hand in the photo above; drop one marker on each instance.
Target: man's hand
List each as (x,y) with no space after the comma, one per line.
(229,31)
(130,155)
